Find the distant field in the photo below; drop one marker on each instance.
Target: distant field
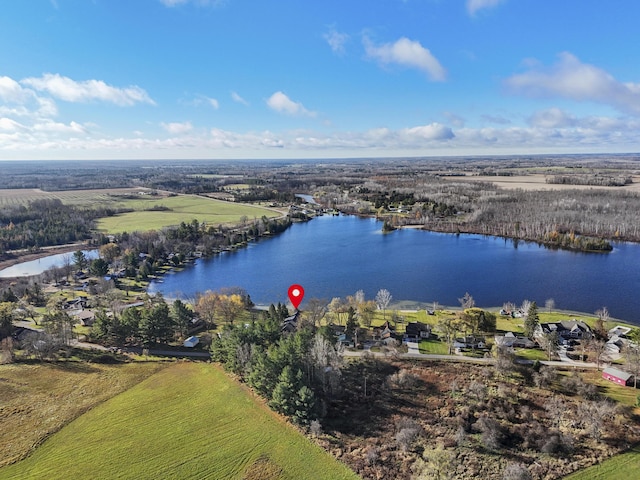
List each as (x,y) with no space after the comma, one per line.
(21,196)
(537,182)
(181,208)
(187,421)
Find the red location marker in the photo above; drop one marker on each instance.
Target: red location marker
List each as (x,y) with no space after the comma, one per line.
(296,294)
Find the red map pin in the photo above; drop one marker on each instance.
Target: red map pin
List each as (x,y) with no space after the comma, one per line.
(296,294)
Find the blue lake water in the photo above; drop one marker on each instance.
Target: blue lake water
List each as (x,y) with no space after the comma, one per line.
(36,267)
(336,256)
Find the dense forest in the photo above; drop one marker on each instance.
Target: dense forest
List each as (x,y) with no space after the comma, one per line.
(45,222)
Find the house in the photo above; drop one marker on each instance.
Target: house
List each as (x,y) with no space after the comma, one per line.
(617,376)
(191,342)
(619,331)
(84,317)
(469,342)
(416,331)
(386,333)
(567,330)
(290,324)
(76,303)
(512,341)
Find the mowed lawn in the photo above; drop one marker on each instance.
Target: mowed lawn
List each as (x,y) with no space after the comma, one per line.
(181,208)
(188,421)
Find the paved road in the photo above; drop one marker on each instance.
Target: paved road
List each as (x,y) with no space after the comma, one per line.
(168,353)
(462,358)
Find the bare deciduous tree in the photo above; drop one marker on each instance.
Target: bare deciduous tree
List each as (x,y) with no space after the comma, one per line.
(467,301)
(315,311)
(383,298)
(598,347)
(550,304)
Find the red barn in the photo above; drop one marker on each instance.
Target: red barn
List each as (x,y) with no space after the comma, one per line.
(617,376)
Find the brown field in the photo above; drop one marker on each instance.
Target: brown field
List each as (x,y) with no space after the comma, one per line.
(536,181)
(21,196)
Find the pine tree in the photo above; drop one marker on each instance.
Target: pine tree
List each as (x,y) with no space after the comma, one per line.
(283,399)
(532,321)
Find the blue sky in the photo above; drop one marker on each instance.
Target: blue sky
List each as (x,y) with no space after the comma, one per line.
(122,79)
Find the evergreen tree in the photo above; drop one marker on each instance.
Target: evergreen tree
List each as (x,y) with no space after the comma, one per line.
(155,325)
(304,406)
(98,267)
(532,321)
(285,393)
(181,316)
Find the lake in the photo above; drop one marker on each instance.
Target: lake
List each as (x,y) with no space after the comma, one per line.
(336,256)
(36,267)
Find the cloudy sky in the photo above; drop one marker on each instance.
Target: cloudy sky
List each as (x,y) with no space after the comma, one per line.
(315,79)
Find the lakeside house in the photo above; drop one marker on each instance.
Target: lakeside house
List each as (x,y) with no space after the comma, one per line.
(290,324)
(191,342)
(566,329)
(510,340)
(416,331)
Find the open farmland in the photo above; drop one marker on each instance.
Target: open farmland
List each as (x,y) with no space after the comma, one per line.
(538,182)
(153,213)
(38,400)
(22,196)
(187,421)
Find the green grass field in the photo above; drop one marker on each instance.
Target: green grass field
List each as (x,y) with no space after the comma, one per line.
(39,399)
(181,208)
(621,467)
(187,421)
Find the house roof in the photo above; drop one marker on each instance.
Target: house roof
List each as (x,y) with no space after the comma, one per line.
(614,372)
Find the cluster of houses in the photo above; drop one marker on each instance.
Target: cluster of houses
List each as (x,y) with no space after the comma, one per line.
(573,331)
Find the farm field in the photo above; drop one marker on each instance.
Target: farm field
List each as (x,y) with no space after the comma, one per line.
(187,421)
(37,400)
(22,196)
(537,182)
(181,208)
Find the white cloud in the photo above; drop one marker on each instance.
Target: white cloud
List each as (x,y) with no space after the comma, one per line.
(570,78)
(238,99)
(9,125)
(177,128)
(57,127)
(336,40)
(280,103)
(10,90)
(473,6)
(552,118)
(408,53)
(433,131)
(70,90)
